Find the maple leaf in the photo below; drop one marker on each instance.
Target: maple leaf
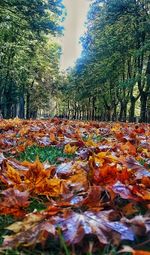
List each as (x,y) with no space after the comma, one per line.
(17,165)
(52,137)
(90,199)
(38,180)
(139,169)
(78,181)
(23,131)
(45,140)
(103,168)
(129,147)
(93,199)
(123,190)
(141,191)
(36,173)
(70,149)
(76,225)
(105,156)
(13,202)
(140,224)
(105,175)
(51,187)
(64,170)
(9,175)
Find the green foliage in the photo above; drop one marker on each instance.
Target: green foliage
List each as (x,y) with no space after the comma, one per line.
(29,55)
(36,204)
(114,68)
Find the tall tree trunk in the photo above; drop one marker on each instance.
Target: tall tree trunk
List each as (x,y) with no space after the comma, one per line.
(68,109)
(108,113)
(8,110)
(89,110)
(21,107)
(34,113)
(125,113)
(75,111)
(28,105)
(93,107)
(143,100)
(121,112)
(132,109)
(14,110)
(114,115)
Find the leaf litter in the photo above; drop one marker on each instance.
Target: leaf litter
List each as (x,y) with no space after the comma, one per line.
(98,193)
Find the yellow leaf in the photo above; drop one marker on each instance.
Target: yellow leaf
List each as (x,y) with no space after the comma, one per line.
(13,175)
(70,149)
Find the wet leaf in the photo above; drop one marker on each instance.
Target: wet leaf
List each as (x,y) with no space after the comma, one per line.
(14,202)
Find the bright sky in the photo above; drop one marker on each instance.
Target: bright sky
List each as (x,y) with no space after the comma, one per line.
(74,28)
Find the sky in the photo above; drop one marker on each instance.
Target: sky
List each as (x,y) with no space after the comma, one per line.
(74,28)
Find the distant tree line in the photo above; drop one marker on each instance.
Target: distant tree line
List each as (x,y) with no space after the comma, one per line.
(112,76)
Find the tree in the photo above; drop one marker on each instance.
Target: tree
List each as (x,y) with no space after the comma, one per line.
(28,31)
(112,73)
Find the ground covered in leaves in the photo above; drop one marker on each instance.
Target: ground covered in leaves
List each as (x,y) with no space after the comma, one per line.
(73,187)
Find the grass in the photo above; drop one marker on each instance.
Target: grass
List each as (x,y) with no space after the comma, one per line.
(50,154)
(37,204)
(5,220)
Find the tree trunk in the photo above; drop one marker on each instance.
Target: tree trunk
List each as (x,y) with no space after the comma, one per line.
(21,108)
(75,111)
(143,113)
(108,113)
(14,110)
(68,110)
(8,110)
(93,108)
(132,109)
(123,111)
(114,115)
(28,105)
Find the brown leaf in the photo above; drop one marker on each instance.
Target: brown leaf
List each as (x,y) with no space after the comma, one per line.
(14,202)
(32,230)
(140,170)
(139,224)
(93,199)
(76,225)
(124,191)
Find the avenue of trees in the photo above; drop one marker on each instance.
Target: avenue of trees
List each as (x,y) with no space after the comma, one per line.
(29,55)
(111,79)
